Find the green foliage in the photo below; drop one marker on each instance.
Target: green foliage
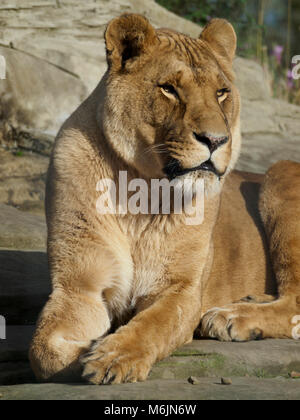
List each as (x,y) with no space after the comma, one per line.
(198,10)
(236,11)
(19,153)
(260,41)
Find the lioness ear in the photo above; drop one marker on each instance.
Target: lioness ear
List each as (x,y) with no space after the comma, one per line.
(128,37)
(221,37)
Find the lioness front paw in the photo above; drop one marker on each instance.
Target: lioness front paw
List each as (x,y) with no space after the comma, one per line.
(231,323)
(109,362)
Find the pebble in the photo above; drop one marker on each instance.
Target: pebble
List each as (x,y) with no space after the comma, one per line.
(226,381)
(192,380)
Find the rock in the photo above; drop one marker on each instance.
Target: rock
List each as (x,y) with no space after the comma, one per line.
(202,358)
(226,381)
(24,285)
(22,181)
(208,360)
(194,381)
(24,278)
(35,141)
(270,133)
(71,37)
(205,358)
(16,373)
(28,103)
(270,127)
(14,363)
(15,347)
(212,359)
(163,18)
(66,44)
(210,389)
(295,375)
(19,230)
(251,80)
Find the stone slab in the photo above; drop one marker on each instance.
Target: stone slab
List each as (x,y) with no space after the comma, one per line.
(22,180)
(24,285)
(19,230)
(207,389)
(203,358)
(15,347)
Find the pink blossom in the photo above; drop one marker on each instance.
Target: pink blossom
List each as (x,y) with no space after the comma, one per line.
(290,79)
(277,52)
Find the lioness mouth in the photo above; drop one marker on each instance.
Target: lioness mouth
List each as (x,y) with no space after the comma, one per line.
(174,169)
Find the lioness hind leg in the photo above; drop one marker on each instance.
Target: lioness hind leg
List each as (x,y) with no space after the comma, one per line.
(257,318)
(280,210)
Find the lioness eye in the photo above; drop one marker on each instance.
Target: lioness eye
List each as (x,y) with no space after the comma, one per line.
(169,90)
(222,94)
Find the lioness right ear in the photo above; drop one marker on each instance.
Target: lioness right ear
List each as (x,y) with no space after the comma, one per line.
(220,35)
(128,37)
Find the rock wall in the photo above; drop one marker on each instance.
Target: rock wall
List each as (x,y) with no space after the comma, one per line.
(55,56)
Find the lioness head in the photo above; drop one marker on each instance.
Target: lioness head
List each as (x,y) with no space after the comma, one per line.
(171,108)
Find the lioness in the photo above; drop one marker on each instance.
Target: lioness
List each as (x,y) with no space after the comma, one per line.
(129,289)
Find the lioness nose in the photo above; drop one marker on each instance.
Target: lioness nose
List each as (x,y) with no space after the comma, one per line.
(211,141)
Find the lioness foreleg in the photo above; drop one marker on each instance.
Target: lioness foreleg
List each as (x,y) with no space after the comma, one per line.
(67,325)
(280,210)
(128,355)
(76,313)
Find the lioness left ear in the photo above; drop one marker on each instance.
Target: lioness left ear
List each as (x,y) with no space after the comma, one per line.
(221,37)
(128,37)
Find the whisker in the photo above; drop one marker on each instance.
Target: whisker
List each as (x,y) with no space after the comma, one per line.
(158,148)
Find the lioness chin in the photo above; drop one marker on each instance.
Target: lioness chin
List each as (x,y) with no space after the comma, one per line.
(129,289)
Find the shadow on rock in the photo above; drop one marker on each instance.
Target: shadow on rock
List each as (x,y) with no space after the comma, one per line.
(24,285)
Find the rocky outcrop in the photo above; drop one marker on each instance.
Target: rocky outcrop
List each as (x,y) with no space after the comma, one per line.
(55,57)
(22,180)
(36,98)
(253,368)
(208,389)
(19,230)
(24,278)
(270,127)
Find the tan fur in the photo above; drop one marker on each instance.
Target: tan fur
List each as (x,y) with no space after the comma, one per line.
(128,290)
